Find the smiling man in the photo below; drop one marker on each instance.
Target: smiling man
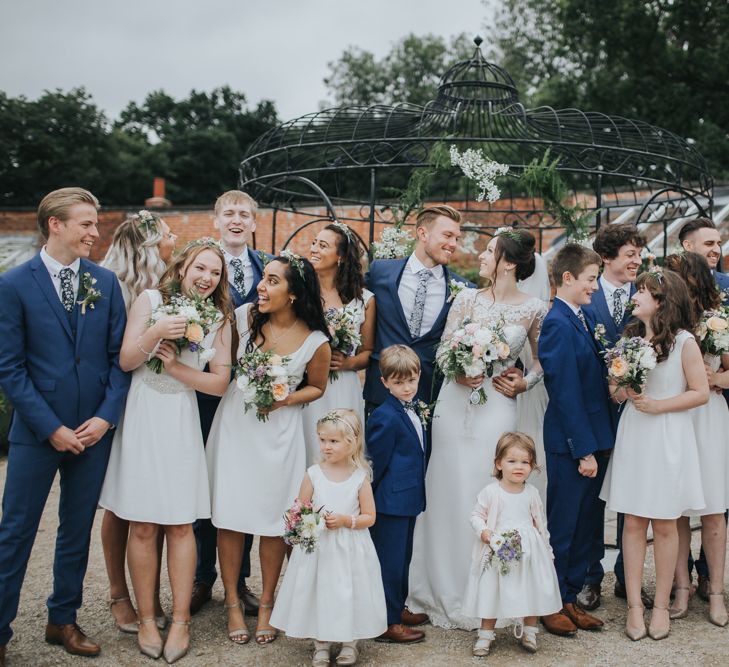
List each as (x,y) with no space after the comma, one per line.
(701,236)
(60,334)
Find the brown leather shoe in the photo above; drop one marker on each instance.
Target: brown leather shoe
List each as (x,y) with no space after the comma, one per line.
(400,634)
(72,638)
(411,619)
(559,624)
(201,593)
(589,598)
(581,618)
(249,600)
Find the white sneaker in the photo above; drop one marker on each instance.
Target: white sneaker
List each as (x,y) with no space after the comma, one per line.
(482,646)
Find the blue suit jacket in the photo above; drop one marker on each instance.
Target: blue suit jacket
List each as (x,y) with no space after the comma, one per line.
(54,370)
(252,296)
(398,460)
(579,419)
(383,279)
(722,282)
(598,312)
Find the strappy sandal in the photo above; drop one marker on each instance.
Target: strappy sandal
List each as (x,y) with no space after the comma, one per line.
(266,635)
(636,634)
(322,656)
(154,650)
(174,654)
(348,654)
(130,628)
(238,635)
(482,645)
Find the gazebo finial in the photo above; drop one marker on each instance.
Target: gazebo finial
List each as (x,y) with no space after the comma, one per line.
(477,41)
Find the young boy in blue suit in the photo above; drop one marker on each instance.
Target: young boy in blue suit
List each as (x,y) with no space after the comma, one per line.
(579,431)
(396,445)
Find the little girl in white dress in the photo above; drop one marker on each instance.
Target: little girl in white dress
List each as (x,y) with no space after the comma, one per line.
(335,594)
(530,587)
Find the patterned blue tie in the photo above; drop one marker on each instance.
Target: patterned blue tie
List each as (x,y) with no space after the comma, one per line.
(618,310)
(416,317)
(67,296)
(582,319)
(239,279)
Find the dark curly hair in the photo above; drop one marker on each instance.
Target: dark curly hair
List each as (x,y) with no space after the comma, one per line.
(673,312)
(610,238)
(349,280)
(307,306)
(519,251)
(695,271)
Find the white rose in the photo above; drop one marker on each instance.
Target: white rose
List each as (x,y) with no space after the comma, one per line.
(483,337)
(648,359)
(276,372)
(206,355)
(242,382)
(190,312)
(249,394)
(474,370)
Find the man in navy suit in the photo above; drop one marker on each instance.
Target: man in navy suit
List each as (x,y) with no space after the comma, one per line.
(619,247)
(701,236)
(235,220)
(413,298)
(579,431)
(60,335)
(396,445)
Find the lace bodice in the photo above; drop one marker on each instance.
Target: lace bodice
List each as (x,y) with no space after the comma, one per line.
(521,323)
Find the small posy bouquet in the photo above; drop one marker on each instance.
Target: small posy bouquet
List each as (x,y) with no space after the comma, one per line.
(472,350)
(344,332)
(263,379)
(201,315)
(302,525)
(629,361)
(503,551)
(714,335)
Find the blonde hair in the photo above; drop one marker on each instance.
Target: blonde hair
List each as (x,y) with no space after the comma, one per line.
(236,197)
(398,361)
(58,203)
(347,423)
(134,255)
(514,439)
(427,216)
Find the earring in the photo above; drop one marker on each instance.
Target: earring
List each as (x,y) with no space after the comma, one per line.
(292,299)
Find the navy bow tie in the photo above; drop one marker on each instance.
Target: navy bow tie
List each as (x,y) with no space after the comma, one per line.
(410,405)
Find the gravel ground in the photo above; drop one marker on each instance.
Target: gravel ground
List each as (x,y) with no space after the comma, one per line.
(693,641)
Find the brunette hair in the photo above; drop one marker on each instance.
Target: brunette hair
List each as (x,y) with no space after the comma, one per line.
(514,439)
(516,246)
(703,292)
(171,281)
(610,238)
(398,361)
(349,279)
(347,423)
(58,203)
(574,258)
(673,313)
(427,216)
(693,226)
(303,285)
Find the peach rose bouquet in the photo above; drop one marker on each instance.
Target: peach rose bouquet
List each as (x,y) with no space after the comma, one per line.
(629,361)
(263,379)
(714,335)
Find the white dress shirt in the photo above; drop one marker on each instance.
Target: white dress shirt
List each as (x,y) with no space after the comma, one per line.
(572,307)
(434,296)
(609,289)
(417,424)
(54,270)
(247,268)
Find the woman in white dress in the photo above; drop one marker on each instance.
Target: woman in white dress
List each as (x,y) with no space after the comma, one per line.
(140,250)
(464,436)
(156,476)
(711,425)
(654,474)
(336,256)
(288,319)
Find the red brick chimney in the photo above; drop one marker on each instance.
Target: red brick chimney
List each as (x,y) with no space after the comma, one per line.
(157,200)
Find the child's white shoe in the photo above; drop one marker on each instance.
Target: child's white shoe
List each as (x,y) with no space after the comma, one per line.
(321,656)
(528,639)
(349,654)
(482,646)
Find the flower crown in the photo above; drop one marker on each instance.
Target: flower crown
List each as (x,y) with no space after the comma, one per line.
(295,261)
(656,272)
(147,222)
(344,229)
(206,241)
(511,233)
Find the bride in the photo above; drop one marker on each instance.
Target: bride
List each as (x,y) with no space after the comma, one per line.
(464,435)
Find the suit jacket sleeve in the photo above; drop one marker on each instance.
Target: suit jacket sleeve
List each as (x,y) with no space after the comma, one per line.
(566,393)
(118,383)
(26,400)
(380,445)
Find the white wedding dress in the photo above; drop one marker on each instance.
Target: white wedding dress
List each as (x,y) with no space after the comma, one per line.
(464,440)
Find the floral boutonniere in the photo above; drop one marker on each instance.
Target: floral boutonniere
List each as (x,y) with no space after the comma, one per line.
(90,293)
(600,336)
(424,412)
(455,287)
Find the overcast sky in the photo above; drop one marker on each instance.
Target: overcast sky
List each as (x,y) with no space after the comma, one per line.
(268,49)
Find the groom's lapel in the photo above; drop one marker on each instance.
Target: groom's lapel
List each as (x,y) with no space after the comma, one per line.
(393,283)
(40,273)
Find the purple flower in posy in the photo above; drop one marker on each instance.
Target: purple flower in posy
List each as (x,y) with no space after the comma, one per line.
(260,372)
(193,347)
(505,551)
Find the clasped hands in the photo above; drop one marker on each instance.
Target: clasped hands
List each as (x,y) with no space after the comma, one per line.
(63,439)
(510,382)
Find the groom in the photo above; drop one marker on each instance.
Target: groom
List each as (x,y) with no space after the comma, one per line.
(60,335)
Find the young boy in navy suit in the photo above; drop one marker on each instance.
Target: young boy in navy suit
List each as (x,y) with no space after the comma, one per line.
(579,431)
(396,445)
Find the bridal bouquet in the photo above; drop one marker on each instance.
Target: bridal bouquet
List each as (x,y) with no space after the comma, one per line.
(714,335)
(504,550)
(263,379)
(201,315)
(629,361)
(472,350)
(302,525)
(344,332)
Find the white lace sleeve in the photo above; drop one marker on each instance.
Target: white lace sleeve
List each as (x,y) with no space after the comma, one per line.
(462,306)
(535,374)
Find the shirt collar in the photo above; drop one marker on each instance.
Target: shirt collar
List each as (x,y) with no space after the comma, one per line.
(609,288)
(54,266)
(415,265)
(574,309)
(243,257)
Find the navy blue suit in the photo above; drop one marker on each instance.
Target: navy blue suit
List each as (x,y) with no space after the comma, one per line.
(383,279)
(206,535)
(398,464)
(579,421)
(598,312)
(57,369)
(722,282)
